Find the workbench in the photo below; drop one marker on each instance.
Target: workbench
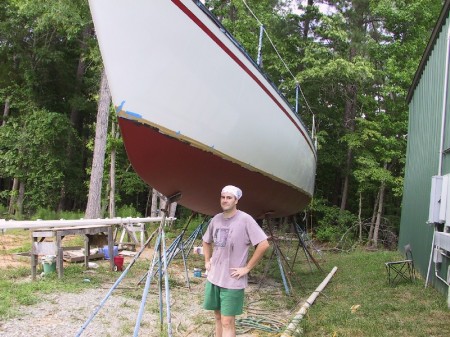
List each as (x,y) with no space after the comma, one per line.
(48,241)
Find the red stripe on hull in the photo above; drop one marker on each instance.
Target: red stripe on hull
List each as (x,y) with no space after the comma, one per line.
(233,56)
(171,166)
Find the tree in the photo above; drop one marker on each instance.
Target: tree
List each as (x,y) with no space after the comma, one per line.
(39,54)
(350,63)
(93,208)
(31,151)
(112,171)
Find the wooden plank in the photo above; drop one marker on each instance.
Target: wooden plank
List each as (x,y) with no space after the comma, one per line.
(43,233)
(44,248)
(71,256)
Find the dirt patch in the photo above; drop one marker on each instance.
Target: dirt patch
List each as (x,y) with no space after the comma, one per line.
(13,261)
(9,242)
(65,313)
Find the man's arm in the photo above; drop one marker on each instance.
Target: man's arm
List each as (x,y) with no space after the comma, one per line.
(256,257)
(207,251)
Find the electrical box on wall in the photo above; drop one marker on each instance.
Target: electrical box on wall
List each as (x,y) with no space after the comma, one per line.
(445,201)
(435,200)
(437,256)
(444,196)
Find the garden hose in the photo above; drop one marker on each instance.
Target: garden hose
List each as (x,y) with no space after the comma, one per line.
(263,324)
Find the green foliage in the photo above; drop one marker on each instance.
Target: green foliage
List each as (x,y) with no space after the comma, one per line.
(33,150)
(330,223)
(41,52)
(327,233)
(126,211)
(3,211)
(50,214)
(51,66)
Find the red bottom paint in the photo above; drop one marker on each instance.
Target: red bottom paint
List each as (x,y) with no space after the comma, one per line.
(172,166)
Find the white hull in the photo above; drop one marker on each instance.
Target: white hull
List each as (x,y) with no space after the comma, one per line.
(169,66)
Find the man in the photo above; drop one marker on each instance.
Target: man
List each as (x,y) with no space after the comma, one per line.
(231,232)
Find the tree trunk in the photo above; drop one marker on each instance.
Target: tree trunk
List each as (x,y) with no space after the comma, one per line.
(112,175)
(173,209)
(349,126)
(372,221)
(307,21)
(154,208)
(148,203)
(74,110)
(13,193)
(162,201)
(20,198)
(81,69)
(348,165)
(13,199)
(62,198)
(5,113)
(379,214)
(105,203)
(359,217)
(93,208)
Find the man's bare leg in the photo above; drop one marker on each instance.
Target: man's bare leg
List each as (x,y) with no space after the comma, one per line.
(228,326)
(218,318)
(225,325)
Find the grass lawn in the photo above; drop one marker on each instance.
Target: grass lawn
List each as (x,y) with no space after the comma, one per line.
(408,309)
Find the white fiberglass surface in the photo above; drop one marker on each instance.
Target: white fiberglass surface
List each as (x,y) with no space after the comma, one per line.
(162,66)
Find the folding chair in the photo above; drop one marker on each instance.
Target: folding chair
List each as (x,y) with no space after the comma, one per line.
(401,270)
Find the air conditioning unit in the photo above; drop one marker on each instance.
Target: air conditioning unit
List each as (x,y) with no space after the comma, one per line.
(435,200)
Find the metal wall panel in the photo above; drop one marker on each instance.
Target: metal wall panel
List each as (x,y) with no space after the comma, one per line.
(422,157)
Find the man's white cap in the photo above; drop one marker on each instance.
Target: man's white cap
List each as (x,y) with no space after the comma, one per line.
(236,191)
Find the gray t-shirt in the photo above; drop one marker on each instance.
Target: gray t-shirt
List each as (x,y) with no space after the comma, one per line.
(231,239)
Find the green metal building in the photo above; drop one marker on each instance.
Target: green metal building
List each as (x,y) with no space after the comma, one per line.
(425,218)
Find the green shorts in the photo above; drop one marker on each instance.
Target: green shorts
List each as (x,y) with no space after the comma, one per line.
(229,302)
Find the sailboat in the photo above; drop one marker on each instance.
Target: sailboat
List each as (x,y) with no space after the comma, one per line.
(196,112)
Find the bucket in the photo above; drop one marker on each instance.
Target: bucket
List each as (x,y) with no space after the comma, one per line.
(49,267)
(49,264)
(118,263)
(106,251)
(197,272)
(198,250)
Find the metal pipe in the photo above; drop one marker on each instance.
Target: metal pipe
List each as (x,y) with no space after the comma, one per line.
(283,276)
(313,131)
(431,258)
(261,33)
(438,276)
(145,292)
(161,316)
(12,224)
(444,104)
(191,240)
(292,327)
(102,303)
(448,292)
(167,287)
